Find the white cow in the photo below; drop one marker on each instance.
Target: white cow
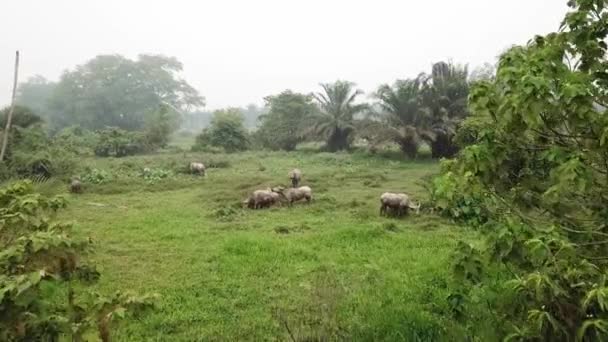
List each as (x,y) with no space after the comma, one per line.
(197,168)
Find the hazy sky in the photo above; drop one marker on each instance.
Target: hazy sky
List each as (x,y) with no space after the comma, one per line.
(237,52)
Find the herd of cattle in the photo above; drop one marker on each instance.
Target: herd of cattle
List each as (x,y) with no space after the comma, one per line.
(396,204)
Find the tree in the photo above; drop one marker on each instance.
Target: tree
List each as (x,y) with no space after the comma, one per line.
(446,97)
(537,172)
(111,90)
(26,136)
(35,94)
(113,141)
(335,119)
(23,117)
(225,131)
(404,120)
(281,127)
(485,72)
(160,125)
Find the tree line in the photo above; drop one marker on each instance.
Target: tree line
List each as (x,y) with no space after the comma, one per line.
(114,91)
(410,112)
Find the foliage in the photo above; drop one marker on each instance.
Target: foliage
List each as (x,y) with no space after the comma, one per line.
(335,119)
(35,94)
(226,131)
(537,167)
(161,124)
(30,152)
(155,175)
(195,121)
(486,72)
(114,141)
(111,90)
(23,117)
(75,140)
(39,257)
(403,118)
(281,128)
(445,97)
(96,176)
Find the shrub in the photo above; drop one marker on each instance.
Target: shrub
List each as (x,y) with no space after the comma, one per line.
(226,131)
(31,153)
(39,254)
(536,166)
(155,175)
(96,176)
(160,125)
(281,127)
(75,140)
(120,143)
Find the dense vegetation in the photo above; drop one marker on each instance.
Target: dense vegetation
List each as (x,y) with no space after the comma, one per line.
(525,192)
(534,180)
(41,269)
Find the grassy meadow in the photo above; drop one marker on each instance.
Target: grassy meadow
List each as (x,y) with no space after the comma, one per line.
(331,270)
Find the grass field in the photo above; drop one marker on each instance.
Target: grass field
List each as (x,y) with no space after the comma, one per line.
(331,270)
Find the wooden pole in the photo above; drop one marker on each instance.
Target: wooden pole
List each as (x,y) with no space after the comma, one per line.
(10,112)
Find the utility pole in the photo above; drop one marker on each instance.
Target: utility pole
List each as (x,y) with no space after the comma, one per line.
(10,112)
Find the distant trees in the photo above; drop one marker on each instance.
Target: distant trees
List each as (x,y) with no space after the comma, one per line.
(404,118)
(485,72)
(197,120)
(335,119)
(282,127)
(111,90)
(35,93)
(445,97)
(30,151)
(426,109)
(226,131)
(147,95)
(160,124)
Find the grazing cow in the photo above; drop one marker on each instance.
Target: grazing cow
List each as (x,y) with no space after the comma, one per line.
(261,199)
(75,185)
(295,194)
(197,168)
(398,203)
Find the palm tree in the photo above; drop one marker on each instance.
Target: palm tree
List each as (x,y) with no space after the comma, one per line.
(445,96)
(406,121)
(335,120)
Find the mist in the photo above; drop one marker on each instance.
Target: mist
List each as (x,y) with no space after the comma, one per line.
(237,52)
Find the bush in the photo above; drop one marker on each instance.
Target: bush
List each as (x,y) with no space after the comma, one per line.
(40,254)
(120,143)
(160,125)
(75,140)
(96,176)
(535,171)
(23,117)
(226,131)
(280,128)
(32,154)
(155,175)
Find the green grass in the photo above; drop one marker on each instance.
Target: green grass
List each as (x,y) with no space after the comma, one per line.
(333,269)
(183,140)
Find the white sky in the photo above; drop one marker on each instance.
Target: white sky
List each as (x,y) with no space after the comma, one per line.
(235,52)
